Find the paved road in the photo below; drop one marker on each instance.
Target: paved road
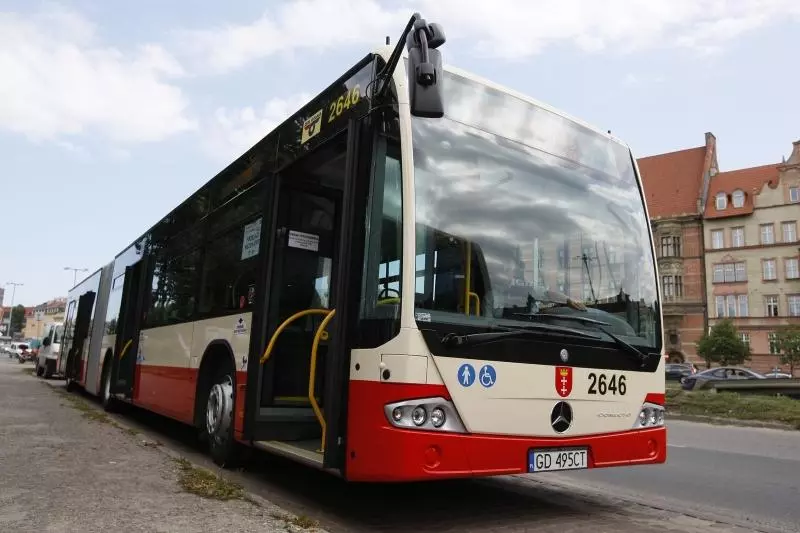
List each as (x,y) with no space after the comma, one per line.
(61,472)
(744,475)
(699,490)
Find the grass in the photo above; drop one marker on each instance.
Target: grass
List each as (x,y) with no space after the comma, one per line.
(734,406)
(206,484)
(302,522)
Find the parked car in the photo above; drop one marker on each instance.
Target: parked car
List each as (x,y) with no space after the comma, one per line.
(20,350)
(699,380)
(676,371)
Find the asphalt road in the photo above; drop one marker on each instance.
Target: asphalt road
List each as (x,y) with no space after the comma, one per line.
(743,475)
(717,479)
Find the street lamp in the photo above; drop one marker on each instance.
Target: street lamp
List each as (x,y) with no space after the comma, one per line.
(75,273)
(11,307)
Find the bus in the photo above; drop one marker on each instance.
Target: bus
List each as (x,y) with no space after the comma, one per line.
(419,275)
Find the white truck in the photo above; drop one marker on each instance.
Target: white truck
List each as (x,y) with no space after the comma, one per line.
(50,350)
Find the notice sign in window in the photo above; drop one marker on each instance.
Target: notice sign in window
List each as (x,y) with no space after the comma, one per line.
(304,241)
(251,240)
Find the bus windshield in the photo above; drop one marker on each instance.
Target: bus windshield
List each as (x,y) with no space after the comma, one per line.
(548,211)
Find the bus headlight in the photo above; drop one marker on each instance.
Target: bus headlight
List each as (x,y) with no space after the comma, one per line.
(651,415)
(432,414)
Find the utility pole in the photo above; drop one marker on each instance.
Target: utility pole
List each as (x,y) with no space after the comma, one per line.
(75,273)
(11,307)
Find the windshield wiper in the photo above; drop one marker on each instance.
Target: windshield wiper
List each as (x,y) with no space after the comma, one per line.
(640,356)
(452,340)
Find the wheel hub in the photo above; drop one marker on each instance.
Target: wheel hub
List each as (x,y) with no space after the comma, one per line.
(219,409)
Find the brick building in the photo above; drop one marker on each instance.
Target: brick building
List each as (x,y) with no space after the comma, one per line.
(676,188)
(753,252)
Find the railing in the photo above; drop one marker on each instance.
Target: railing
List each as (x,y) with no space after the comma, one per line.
(764,387)
(320,334)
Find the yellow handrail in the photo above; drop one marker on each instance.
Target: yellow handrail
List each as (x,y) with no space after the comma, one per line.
(125,349)
(284,324)
(477,302)
(468,278)
(312,375)
(392,300)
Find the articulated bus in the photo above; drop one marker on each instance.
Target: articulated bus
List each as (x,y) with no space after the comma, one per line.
(419,275)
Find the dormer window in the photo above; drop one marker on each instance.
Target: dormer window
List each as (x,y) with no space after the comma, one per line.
(722,200)
(738,198)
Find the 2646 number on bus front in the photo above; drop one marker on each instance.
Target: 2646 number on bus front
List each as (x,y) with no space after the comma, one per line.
(602,384)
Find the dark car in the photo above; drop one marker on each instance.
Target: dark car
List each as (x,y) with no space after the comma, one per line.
(700,379)
(676,371)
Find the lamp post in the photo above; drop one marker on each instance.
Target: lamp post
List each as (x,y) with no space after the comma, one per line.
(75,273)
(11,307)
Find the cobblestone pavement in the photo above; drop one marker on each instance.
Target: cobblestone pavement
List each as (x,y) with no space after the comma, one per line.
(509,504)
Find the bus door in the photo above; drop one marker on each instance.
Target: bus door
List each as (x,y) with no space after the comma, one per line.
(74,359)
(129,324)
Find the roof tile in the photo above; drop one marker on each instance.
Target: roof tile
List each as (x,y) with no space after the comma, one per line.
(749,180)
(672,181)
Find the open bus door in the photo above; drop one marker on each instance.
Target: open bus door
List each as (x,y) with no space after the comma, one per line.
(129,325)
(74,359)
(315,279)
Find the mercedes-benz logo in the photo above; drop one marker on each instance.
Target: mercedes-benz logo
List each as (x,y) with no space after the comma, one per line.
(561,417)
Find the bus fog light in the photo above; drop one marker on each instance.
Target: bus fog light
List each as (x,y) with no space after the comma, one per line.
(419,415)
(397,414)
(437,417)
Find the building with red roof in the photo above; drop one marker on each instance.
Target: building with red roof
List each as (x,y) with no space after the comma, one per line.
(753,253)
(676,188)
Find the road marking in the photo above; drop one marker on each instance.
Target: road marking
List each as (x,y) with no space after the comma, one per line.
(676,446)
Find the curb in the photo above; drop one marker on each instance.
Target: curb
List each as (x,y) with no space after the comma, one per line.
(736,422)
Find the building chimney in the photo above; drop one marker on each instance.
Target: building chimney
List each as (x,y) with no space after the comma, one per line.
(794,159)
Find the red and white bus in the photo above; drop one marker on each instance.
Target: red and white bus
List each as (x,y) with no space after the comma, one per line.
(419,275)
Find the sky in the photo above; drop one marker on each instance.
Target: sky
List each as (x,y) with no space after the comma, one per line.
(111,113)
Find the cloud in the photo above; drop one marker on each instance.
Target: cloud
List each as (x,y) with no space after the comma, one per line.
(507,29)
(58,80)
(230,132)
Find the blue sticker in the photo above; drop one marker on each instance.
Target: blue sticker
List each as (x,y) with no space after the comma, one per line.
(466,375)
(488,376)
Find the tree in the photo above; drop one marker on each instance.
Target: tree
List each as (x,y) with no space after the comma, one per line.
(17,319)
(723,345)
(788,344)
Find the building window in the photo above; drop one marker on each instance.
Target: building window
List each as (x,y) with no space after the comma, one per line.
(767,234)
(771,305)
(745,338)
(722,200)
(720,301)
(737,237)
(730,272)
(792,268)
(673,287)
(731,307)
(773,343)
(794,194)
(789,231)
(794,304)
(738,198)
(717,239)
(670,246)
(768,269)
(743,305)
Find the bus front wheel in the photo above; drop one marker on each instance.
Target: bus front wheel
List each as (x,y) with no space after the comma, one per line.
(219,419)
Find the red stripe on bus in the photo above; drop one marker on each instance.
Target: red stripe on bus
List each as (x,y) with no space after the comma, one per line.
(377,451)
(656,398)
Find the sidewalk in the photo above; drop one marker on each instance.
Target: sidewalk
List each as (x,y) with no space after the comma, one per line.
(65,466)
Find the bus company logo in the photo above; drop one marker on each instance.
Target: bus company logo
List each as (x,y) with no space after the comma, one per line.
(561,417)
(563,381)
(311,127)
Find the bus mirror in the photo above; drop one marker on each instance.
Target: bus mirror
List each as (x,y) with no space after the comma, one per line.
(425,70)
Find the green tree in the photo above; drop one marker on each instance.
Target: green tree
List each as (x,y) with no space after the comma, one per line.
(723,345)
(17,318)
(788,344)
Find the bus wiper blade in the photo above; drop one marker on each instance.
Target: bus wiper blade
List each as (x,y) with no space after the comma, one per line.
(640,356)
(452,340)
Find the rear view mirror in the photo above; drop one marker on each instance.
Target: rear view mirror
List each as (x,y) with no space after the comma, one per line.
(425,69)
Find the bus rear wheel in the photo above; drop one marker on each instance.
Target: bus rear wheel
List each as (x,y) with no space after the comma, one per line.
(106,399)
(219,420)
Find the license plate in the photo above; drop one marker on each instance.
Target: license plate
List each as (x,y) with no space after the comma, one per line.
(549,460)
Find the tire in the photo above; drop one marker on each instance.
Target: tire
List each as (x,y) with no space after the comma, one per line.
(108,402)
(71,383)
(218,419)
